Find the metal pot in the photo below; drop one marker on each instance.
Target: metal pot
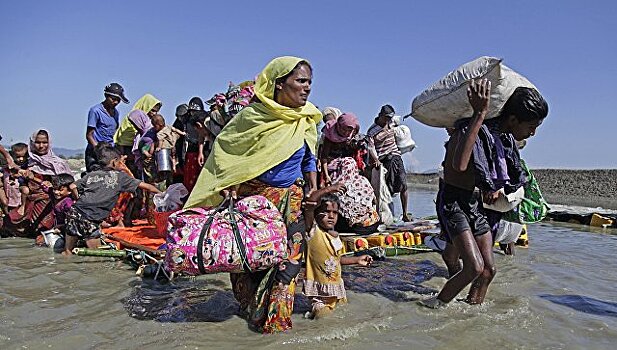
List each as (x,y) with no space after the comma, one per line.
(163,160)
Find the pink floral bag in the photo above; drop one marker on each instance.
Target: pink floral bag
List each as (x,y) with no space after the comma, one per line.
(247,236)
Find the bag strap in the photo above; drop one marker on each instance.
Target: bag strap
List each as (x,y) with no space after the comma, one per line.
(202,236)
(236,231)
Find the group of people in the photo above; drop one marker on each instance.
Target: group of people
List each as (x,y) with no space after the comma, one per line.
(272,145)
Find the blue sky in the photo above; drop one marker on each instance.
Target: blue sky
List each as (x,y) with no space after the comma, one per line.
(58,55)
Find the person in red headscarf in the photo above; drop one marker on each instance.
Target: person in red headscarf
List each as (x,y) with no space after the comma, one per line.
(341,162)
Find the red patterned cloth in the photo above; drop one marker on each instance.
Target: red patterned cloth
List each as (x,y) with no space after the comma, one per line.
(191,170)
(358,202)
(270,304)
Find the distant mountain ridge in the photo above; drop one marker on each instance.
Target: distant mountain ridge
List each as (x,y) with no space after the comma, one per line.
(68,152)
(61,151)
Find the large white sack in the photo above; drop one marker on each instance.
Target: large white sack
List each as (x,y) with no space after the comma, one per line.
(446,101)
(402,136)
(384,197)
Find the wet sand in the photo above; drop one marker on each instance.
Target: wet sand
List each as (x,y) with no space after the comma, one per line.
(587,188)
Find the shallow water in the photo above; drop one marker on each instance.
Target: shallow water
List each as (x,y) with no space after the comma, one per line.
(558,294)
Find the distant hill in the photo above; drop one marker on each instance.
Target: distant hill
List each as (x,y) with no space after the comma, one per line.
(67,152)
(59,151)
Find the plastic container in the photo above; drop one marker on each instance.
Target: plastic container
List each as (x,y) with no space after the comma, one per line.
(381,241)
(160,221)
(404,239)
(355,244)
(417,238)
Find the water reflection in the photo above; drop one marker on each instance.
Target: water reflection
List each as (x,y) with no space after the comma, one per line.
(584,304)
(211,300)
(181,301)
(393,279)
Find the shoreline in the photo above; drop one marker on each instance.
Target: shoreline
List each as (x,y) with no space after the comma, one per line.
(585,188)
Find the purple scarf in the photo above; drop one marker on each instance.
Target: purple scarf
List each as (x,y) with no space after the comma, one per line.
(48,163)
(142,123)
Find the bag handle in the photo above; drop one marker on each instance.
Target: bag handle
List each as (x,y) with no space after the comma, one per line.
(236,231)
(202,235)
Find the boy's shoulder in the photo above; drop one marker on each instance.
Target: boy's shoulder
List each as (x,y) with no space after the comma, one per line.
(373,130)
(96,108)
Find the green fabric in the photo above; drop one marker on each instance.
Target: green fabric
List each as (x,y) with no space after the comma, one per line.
(125,134)
(261,136)
(533,207)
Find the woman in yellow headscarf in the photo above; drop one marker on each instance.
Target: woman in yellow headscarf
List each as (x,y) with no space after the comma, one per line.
(135,124)
(268,149)
(127,137)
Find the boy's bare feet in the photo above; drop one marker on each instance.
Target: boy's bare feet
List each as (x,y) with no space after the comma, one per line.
(432,303)
(406,218)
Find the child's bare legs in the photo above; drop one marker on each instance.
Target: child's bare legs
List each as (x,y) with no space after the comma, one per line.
(25,191)
(451,257)
(478,289)
(473,265)
(70,242)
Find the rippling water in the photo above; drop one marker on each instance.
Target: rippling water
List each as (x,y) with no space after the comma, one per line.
(559,293)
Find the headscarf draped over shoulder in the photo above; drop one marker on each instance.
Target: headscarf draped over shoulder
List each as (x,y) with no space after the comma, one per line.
(48,163)
(125,135)
(263,135)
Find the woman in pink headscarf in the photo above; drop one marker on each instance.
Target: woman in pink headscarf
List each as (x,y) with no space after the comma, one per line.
(37,214)
(340,163)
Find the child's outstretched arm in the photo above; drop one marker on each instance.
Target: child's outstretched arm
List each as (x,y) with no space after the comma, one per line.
(479,94)
(178,131)
(362,260)
(148,187)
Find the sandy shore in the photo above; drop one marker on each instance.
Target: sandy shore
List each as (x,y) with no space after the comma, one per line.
(588,188)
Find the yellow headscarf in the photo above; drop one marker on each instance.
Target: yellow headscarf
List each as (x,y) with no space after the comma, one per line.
(257,139)
(125,134)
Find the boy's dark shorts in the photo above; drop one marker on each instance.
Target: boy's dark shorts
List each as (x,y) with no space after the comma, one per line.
(396,178)
(78,226)
(459,210)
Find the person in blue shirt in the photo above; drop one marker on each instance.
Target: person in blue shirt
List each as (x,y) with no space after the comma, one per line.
(103,121)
